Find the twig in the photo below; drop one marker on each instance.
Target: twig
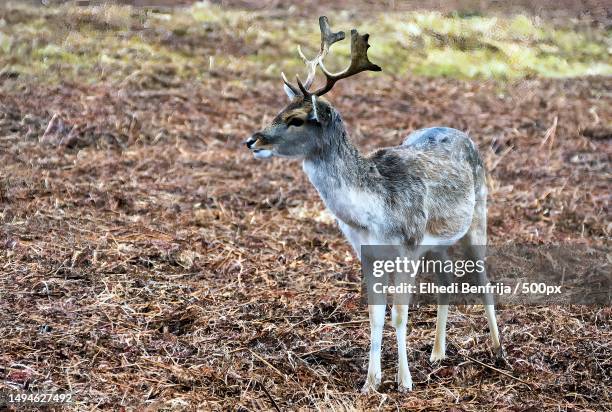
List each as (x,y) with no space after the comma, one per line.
(263,387)
(268,364)
(497,370)
(550,134)
(500,157)
(352,322)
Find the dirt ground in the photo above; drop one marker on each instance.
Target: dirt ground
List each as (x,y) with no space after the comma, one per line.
(147,260)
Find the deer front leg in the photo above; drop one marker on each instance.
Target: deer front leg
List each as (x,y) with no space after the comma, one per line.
(377,321)
(399,318)
(439,348)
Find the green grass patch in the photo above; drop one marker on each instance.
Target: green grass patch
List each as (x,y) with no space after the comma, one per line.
(111,43)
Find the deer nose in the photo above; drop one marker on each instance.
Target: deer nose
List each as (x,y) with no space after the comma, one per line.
(251,140)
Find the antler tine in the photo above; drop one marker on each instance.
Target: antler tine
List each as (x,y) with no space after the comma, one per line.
(327,36)
(312,68)
(327,39)
(359,62)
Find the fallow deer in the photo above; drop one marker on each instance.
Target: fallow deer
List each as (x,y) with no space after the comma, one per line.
(430,190)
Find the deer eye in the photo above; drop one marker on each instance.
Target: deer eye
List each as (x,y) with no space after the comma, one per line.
(296,121)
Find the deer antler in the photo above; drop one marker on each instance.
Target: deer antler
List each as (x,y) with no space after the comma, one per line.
(359,63)
(359,60)
(327,39)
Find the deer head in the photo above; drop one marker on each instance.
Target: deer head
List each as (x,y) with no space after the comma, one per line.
(299,130)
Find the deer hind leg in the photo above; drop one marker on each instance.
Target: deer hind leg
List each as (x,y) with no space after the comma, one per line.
(399,319)
(474,244)
(377,322)
(438,352)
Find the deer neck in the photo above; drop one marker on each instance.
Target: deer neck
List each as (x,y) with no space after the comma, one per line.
(338,171)
(337,162)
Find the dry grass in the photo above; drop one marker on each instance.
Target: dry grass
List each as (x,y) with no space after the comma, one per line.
(147,260)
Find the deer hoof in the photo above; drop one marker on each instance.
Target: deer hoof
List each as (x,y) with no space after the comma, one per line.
(370,386)
(437,356)
(404,381)
(404,388)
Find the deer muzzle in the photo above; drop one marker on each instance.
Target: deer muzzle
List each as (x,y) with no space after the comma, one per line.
(258,145)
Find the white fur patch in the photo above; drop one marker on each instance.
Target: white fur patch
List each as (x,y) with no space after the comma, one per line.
(431,240)
(314,107)
(358,206)
(262,154)
(352,205)
(483,191)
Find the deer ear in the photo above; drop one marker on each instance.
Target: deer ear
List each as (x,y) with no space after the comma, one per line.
(314,114)
(290,89)
(290,93)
